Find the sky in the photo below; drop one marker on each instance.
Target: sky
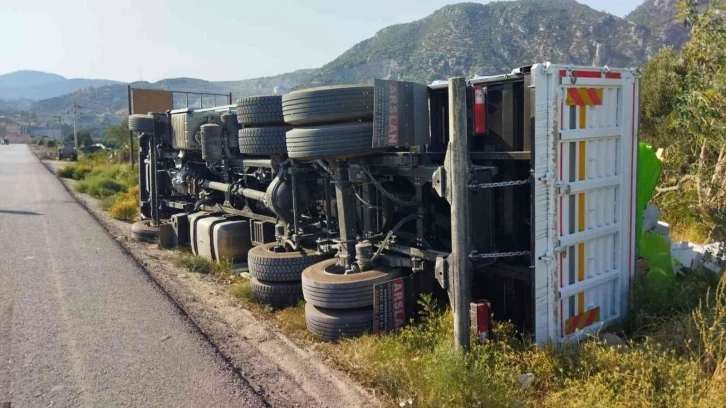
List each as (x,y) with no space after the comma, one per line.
(149,40)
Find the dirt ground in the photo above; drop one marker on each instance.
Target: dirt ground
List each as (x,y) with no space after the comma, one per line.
(287,373)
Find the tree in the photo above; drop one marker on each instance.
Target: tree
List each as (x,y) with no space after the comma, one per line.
(118,134)
(684,110)
(84,138)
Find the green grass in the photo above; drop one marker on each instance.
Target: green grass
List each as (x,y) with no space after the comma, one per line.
(116,185)
(675,358)
(243,291)
(185,259)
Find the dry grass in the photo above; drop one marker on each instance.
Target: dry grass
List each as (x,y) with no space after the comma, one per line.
(419,364)
(183,258)
(675,357)
(116,185)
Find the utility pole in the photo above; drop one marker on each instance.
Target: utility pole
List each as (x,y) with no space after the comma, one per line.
(60,130)
(75,132)
(457,171)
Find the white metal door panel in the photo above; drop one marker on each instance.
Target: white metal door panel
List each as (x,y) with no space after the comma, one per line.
(585,159)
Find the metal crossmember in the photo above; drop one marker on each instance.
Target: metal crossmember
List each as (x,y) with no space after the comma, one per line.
(476,255)
(501,184)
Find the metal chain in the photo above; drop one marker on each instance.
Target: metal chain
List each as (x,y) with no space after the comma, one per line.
(501,184)
(476,255)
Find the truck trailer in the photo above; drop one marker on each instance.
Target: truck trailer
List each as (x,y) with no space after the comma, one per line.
(518,189)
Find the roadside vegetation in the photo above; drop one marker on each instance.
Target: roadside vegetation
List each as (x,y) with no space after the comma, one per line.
(184,258)
(683,101)
(100,176)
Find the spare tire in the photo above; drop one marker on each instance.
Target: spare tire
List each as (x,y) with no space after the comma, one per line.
(331,324)
(267,265)
(260,110)
(325,285)
(264,141)
(143,231)
(322,142)
(328,104)
(277,294)
(141,123)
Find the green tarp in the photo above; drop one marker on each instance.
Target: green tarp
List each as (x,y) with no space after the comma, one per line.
(653,247)
(649,169)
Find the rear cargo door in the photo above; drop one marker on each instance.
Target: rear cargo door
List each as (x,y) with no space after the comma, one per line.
(585,162)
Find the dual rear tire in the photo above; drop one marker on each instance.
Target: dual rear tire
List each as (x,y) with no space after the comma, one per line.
(338,304)
(276,273)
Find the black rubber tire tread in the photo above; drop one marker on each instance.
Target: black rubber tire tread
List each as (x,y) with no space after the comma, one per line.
(142,231)
(348,140)
(277,294)
(263,141)
(280,266)
(328,104)
(332,324)
(331,291)
(141,123)
(260,110)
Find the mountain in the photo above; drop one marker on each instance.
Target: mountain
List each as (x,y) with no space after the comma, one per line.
(36,85)
(460,39)
(660,17)
(471,38)
(110,102)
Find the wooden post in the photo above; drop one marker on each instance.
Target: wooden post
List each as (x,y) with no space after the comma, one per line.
(458,174)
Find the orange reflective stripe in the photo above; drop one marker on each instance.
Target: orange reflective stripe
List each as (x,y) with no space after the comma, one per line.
(584,96)
(582,320)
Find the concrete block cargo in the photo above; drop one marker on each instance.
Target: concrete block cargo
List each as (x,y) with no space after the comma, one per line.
(516,189)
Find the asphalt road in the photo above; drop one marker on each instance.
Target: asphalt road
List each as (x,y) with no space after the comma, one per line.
(80,323)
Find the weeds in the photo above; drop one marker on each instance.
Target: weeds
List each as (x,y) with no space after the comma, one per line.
(243,291)
(116,185)
(192,263)
(420,363)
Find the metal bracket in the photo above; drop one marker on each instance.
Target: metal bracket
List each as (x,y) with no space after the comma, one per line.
(438,180)
(547,178)
(563,188)
(441,271)
(547,257)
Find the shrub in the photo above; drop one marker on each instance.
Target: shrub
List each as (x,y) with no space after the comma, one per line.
(187,260)
(125,206)
(242,290)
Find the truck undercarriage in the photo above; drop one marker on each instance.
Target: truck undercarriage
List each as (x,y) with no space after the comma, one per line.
(328,193)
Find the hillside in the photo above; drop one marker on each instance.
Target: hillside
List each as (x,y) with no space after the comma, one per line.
(36,85)
(471,38)
(660,18)
(461,39)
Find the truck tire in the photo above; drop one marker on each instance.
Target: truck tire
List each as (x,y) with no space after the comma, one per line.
(266,265)
(328,104)
(143,231)
(277,294)
(324,285)
(141,123)
(260,110)
(332,324)
(263,141)
(322,142)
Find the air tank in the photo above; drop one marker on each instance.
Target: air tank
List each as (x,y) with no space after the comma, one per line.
(230,124)
(211,138)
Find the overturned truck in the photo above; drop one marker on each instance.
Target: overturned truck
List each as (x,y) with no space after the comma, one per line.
(341,196)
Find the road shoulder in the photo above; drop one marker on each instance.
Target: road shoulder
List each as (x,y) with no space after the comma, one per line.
(285,372)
